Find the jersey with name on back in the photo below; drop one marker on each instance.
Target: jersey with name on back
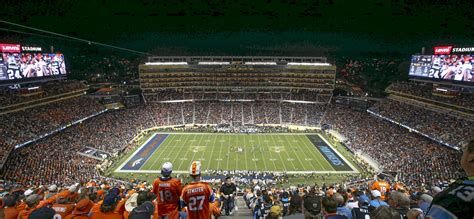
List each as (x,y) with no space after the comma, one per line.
(197,197)
(168,192)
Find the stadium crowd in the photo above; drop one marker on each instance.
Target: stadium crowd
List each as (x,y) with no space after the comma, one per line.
(438,125)
(426,91)
(12,96)
(54,160)
(381,198)
(300,95)
(373,74)
(21,126)
(419,160)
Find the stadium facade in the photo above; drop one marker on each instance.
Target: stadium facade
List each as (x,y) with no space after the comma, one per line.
(308,79)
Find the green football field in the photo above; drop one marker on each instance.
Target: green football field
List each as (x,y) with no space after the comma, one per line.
(283,152)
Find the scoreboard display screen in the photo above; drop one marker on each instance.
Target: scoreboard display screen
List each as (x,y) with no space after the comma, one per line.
(453,67)
(15,66)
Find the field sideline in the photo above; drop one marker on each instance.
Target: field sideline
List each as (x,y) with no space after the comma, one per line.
(293,153)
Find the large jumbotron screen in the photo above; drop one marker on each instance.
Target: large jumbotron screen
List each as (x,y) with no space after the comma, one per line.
(16,64)
(443,67)
(447,64)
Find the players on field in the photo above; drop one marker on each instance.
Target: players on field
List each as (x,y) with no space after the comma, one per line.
(168,191)
(197,195)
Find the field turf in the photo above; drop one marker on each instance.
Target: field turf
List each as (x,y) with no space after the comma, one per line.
(282,152)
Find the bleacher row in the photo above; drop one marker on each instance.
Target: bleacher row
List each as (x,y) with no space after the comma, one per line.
(322,96)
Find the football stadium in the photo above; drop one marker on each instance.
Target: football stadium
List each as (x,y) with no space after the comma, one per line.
(245,109)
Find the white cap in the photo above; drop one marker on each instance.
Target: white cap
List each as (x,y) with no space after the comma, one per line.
(28,192)
(426,198)
(376,193)
(52,188)
(73,188)
(436,189)
(195,168)
(167,168)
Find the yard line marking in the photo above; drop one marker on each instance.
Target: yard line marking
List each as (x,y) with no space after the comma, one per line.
(315,152)
(220,153)
(259,148)
(159,154)
(228,154)
(184,146)
(270,152)
(297,156)
(281,158)
(194,154)
(245,154)
(212,151)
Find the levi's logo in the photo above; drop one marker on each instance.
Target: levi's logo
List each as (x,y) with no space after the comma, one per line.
(10,48)
(443,50)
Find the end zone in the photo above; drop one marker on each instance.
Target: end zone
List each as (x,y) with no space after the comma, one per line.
(142,154)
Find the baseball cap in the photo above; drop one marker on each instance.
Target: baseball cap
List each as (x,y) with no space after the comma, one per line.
(32,199)
(52,188)
(376,193)
(312,204)
(195,168)
(28,192)
(426,198)
(83,206)
(166,169)
(436,189)
(363,199)
(110,199)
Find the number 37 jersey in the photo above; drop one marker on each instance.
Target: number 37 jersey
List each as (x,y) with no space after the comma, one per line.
(168,192)
(197,197)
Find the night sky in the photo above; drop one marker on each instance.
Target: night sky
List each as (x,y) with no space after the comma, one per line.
(331,28)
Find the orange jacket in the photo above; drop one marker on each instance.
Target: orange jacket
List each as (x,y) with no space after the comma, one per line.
(10,213)
(63,209)
(109,215)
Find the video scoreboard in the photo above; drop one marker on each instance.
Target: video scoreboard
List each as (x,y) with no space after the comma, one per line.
(24,62)
(447,63)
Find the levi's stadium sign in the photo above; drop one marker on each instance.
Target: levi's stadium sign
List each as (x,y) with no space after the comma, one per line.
(16,48)
(10,48)
(446,50)
(31,48)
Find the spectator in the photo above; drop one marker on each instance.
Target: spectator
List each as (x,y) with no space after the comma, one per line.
(362,211)
(385,212)
(31,201)
(313,205)
(330,209)
(227,191)
(376,200)
(168,191)
(341,208)
(197,189)
(399,202)
(108,207)
(10,211)
(42,213)
(453,202)
(81,210)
